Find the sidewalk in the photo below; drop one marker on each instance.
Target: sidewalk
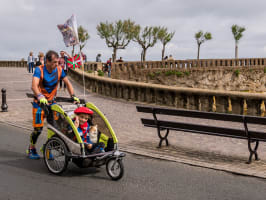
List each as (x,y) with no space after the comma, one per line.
(200,150)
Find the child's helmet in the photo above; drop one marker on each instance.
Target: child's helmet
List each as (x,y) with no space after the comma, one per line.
(83,110)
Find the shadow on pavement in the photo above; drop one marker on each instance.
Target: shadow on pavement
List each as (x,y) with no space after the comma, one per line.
(19,160)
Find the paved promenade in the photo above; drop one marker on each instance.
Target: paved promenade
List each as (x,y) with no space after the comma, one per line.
(194,149)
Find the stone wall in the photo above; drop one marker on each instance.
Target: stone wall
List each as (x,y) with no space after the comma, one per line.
(224,78)
(178,97)
(233,75)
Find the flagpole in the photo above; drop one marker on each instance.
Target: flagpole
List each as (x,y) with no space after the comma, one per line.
(82,66)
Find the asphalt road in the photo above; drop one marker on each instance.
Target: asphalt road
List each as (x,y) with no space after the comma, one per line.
(145,178)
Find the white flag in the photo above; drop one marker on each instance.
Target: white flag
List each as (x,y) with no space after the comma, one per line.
(69,31)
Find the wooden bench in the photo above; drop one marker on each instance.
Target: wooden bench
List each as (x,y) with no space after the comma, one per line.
(244,133)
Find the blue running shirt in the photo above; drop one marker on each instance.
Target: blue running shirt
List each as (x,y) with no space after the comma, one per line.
(49,79)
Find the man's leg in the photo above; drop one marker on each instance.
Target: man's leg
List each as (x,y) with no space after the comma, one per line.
(32,152)
(38,119)
(34,136)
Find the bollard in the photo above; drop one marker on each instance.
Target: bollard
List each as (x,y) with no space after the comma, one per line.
(4,105)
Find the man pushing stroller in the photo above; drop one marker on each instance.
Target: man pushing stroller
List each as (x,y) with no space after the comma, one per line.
(44,86)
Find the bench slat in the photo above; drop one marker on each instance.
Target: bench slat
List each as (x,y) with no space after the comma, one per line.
(210,130)
(203,115)
(261,136)
(255,120)
(192,113)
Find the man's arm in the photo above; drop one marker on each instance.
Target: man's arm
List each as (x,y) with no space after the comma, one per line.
(69,86)
(34,86)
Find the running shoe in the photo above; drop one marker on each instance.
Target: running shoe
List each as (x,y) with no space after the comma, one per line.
(32,154)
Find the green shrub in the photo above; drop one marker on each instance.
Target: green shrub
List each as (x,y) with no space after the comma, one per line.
(151,75)
(179,74)
(264,70)
(187,73)
(89,71)
(157,73)
(237,72)
(100,73)
(168,73)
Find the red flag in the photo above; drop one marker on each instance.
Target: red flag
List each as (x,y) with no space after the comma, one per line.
(74,62)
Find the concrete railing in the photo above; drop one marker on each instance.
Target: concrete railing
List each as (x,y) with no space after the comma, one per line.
(176,64)
(173,64)
(187,98)
(93,66)
(126,70)
(13,63)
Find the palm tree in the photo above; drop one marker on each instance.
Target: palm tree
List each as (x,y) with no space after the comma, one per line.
(200,37)
(117,35)
(146,38)
(237,32)
(164,36)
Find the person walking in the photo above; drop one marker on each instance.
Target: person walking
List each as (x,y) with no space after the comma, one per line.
(30,62)
(120,60)
(165,58)
(109,67)
(41,59)
(44,86)
(170,57)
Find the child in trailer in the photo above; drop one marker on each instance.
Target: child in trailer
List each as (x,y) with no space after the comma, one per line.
(88,133)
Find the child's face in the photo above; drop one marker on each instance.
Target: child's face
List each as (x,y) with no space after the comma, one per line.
(83,118)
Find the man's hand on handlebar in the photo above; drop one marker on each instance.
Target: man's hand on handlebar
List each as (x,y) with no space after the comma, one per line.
(42,99)
(75,99)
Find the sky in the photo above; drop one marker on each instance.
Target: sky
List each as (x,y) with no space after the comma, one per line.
(31,25)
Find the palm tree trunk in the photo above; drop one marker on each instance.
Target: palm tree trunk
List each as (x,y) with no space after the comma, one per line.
(236,51)
(114,54)
(144,55)
(163,51)
(198,51)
